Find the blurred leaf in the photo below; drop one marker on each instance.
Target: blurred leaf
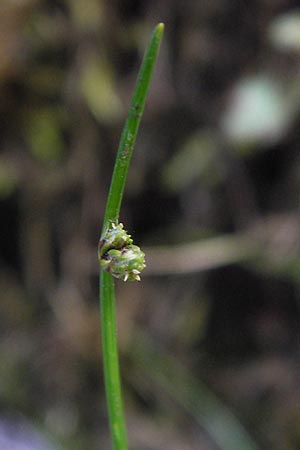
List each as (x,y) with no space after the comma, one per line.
(257,111)
(194,396)
(9,179)
(44,135)
(195,159)
(86,15)
(98,89)
(284,31)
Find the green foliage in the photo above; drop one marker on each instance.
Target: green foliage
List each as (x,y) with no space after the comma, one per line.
(44,135)
(98,89)
(196,159)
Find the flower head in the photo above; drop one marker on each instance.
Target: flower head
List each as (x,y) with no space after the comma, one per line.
(119,256)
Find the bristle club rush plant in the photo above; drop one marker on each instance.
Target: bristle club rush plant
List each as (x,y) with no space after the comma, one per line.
(118,256)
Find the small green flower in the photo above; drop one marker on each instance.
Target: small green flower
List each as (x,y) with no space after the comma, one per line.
(115,237)
(118,255)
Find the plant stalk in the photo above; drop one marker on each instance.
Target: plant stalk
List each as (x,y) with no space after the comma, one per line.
(112,211)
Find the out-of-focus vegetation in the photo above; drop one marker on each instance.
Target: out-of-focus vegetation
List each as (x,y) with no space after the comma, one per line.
(213,193)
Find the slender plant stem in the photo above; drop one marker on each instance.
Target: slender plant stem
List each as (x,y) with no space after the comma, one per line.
(107,294)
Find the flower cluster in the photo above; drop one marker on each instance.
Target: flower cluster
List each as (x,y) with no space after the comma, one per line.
(119,256)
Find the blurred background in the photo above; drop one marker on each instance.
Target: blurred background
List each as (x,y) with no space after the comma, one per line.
(209,340)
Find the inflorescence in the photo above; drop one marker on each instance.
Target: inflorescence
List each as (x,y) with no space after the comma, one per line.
(118,255)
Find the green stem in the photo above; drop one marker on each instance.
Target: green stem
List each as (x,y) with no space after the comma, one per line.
(111,362)
(107,294)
